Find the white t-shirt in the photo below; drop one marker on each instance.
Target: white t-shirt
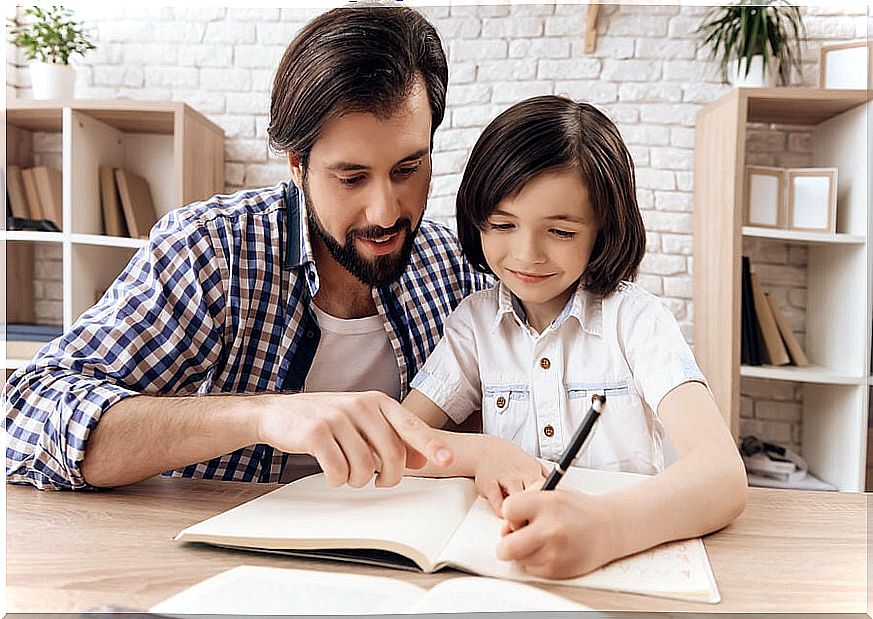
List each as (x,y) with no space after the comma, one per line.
(534,388)
(352,355)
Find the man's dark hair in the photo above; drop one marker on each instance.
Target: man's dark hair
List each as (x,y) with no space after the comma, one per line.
(545,134)
(354,59)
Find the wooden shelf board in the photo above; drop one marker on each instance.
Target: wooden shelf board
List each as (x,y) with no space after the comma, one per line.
(809,374)
(811,238)
(800,106)
(107,241)
(31,235)
(14,364)
(130,116)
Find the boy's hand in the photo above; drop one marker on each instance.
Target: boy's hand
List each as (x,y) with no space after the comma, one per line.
(557,534)
(504,469)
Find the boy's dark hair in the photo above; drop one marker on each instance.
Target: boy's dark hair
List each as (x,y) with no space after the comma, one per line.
(353,59)
(547,133)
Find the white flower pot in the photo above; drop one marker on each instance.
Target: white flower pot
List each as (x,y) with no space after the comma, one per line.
(760,75)
(52,81)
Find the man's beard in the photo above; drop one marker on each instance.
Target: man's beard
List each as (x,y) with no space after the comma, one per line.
(378,271)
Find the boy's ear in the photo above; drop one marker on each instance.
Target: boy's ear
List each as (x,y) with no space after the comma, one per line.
(295,164)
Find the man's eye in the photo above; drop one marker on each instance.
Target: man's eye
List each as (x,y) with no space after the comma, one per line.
(563,234)
(350,180)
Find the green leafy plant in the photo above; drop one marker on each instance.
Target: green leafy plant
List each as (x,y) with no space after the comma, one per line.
(770,28)
(52,36)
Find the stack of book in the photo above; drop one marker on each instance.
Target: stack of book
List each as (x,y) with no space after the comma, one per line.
(35,194)
(127,205)
(766,337)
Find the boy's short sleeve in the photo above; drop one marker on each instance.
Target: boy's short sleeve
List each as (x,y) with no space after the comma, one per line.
(450,376)
(659,357)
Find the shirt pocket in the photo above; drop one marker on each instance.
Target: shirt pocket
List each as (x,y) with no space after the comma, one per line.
(505,410)
(609,446)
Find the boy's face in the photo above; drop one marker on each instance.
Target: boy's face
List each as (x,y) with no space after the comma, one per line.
(366,187)
(538,241)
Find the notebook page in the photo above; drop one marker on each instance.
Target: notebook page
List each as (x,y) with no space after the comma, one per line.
(677,570)
(418,513)
(250,590)
(477,595)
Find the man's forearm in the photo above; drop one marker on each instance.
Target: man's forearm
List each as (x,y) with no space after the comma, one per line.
(142,436)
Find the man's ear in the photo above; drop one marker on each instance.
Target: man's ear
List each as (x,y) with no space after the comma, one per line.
(295,164)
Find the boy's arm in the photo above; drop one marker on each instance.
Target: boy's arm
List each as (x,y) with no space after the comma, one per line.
(704,490)
(499,467)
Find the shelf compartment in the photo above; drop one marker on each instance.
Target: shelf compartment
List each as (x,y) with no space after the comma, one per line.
(804,238)
(808,374)
(94,268)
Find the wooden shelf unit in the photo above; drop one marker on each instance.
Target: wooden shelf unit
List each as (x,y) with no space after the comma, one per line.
(176,149)
(839,273)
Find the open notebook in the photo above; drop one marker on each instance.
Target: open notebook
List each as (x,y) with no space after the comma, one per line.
(249,590)
(427,524)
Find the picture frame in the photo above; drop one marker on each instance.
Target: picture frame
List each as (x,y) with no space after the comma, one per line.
(764,197)
(846,65)
(812,199)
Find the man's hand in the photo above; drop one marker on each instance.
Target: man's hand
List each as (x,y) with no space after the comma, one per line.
(503,469)
(558,534)
(352,435)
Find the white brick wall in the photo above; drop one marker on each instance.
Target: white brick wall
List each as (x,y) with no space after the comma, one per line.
(648,73)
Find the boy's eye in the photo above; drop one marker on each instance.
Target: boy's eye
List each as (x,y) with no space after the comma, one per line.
(409,170)
(501,226)
(563,234)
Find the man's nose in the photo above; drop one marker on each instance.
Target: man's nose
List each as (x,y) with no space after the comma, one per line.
(383,205)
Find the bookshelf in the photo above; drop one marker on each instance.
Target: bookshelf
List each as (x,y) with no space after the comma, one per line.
(177,150)
(836,394)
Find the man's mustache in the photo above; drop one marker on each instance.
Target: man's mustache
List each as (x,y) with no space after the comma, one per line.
(377,232)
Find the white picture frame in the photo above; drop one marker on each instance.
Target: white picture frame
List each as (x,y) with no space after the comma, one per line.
(812,199)
(764,197)
(846,65)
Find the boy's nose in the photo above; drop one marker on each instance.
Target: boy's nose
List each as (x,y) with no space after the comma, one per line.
(527,251)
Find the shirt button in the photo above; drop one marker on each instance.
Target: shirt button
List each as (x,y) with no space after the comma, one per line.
(501,402)
(549,431)
(545,363)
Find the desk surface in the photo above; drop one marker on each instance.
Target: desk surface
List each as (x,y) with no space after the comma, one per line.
(790,551)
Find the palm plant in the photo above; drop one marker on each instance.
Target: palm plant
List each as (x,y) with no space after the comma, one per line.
(770,28)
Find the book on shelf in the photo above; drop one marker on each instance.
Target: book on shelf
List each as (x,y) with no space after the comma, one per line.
(798,357)
(249,590)
(31,332)
(776,353)
(50,187)
(136,203)
(427,524)
(15,192)
(32,194)
(110,203)
(750,348)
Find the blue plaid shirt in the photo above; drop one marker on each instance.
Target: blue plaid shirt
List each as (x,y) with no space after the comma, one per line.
(212,305)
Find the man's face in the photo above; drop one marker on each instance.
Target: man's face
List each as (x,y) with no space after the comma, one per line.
(366,187)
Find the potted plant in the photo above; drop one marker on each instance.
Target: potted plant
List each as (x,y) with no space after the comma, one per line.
(49,39)
(755,40)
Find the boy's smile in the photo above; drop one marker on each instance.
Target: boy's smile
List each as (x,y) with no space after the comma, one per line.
(538,241)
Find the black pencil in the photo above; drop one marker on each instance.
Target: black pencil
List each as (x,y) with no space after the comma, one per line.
(598,403)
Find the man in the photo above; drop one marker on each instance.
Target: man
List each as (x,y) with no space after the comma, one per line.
(309,306)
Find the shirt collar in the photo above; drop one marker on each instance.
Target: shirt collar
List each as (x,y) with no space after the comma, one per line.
(585,307)
(298,250)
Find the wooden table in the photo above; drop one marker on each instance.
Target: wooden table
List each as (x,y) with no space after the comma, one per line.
(790,551)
